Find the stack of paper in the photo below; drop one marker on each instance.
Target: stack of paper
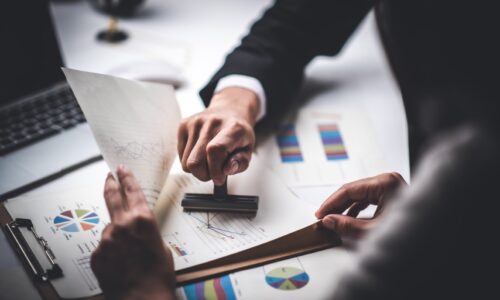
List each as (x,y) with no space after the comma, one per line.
(135,124)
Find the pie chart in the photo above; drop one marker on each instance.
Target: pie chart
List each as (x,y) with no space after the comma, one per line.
(75,220)
(287,278)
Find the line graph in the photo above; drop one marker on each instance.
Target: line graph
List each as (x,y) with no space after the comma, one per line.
(222,232)
(205,226)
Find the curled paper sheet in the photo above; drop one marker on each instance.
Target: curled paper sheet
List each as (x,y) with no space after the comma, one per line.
(134,123)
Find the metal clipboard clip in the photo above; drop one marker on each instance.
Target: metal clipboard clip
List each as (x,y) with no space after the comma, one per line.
(39,273)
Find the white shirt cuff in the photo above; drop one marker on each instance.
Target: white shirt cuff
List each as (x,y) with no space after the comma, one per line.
(247,82)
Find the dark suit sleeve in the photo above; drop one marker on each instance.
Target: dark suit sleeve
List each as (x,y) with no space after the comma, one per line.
(285,39)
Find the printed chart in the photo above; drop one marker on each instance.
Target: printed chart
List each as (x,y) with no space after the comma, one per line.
(331,139)
(287,278)
(208,226)
(221,232)
(214,289)
(323,148)
(288,144)
(76,220)
(332,142)
(178,250)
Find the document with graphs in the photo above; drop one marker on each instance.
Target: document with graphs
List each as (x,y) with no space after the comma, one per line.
(324,146)
(71,221)
(204,243)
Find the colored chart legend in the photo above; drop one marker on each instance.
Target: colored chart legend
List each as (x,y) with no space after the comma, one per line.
(287,278)
(76,220)
(332,142)
(288,144)
(214,289)
(178,250)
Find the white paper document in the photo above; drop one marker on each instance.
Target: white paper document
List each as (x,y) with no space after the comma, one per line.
(324,146)
(198,237)
(134,123)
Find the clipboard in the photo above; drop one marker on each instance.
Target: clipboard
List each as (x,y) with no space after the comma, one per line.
(43,285)
(14,233)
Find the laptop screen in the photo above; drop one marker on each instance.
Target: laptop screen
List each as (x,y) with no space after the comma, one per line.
(29,54)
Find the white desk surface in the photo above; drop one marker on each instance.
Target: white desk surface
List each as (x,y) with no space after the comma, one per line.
(196,36)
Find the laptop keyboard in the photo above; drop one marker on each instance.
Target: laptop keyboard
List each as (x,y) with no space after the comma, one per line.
(42,116)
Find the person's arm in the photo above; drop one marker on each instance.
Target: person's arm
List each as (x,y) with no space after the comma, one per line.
(219,141)
(285,39)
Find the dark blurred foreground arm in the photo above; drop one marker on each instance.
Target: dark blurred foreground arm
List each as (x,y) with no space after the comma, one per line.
(436,241)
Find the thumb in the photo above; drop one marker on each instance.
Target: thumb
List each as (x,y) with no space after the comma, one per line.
(346,226)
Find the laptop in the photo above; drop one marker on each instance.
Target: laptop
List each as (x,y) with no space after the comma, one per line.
(43,133)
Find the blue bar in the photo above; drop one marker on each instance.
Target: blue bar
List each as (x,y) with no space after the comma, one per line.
(330,134)
(190,291)
(226,284)
(295,158)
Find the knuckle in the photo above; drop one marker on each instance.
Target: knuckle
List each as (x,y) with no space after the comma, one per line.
(239,127)
(215,121)
(201,174)
(198,120)
(131,188)
(345,226)
(345,187)
(183,125)
(193,164)
(216,148)
(185,168)
(252,140)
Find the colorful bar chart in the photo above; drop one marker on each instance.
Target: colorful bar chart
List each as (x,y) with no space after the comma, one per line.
(214,289)
(288,144)
(332,142)
(178,250)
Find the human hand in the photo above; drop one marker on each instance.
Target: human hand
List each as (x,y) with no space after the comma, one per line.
(355,197)
(131,261)
(219,141)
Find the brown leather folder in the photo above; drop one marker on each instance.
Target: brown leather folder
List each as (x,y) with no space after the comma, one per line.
(306,240)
